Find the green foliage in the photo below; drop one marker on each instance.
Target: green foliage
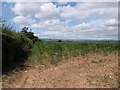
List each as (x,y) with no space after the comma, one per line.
(29,34)
(56,51)
(15,45)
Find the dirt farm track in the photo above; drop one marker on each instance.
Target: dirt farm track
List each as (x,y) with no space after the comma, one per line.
(91,71)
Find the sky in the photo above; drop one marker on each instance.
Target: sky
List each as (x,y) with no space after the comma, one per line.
(64,20)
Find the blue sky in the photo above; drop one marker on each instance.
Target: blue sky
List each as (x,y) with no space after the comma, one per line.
(65,20)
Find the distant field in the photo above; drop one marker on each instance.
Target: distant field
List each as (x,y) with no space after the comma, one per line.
(56,51)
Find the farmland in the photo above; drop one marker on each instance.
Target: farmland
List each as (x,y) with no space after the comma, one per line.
(68,65)
(56,51)
(30,62)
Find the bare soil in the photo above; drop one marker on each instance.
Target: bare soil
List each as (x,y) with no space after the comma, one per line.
(91,71)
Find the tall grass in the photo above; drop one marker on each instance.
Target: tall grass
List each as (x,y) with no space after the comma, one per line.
(56,51)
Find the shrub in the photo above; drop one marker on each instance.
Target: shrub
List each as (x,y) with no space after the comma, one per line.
(15,45)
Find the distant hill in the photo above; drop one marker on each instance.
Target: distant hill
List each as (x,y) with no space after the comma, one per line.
(77,40)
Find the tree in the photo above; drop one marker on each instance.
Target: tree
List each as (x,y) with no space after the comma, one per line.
(59,40)
(24,31)
(29,34)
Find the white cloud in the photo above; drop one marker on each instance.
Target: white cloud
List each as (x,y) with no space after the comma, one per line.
(24,26)
(23,20)
(99,25)
(80,11)
(38,10)
(26,8)
(48,11)
(60,1)
(99,0)
(70,12)
(36,26)
(112,22)
(51,25)
(83,26)
(102,18)
(93,25)
(112,28)
(84,10)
